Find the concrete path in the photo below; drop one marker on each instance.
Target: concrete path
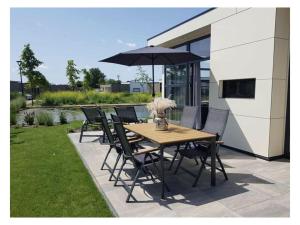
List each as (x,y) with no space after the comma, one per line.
(256,188)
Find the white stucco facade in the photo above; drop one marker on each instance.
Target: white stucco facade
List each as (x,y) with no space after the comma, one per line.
(245,43)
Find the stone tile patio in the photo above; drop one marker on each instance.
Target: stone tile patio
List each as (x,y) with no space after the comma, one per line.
(256,188)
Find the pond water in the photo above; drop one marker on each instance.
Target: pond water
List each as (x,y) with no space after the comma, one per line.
(76,114)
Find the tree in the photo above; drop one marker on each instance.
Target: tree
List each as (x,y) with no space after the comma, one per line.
(29,64)
(143,78)
(72,73)
(93,78)
(112,81)
(79,84)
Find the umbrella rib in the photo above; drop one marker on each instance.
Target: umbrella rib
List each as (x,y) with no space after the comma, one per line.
(167,58)
(136,59)
(139,58)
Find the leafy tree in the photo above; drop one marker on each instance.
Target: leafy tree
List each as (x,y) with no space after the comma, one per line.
(112,81)
(79,84)
(93,78)
(29,64)
(143,78)
(72,73)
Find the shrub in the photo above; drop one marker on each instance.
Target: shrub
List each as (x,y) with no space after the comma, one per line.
(17,104)
(13,118)
(14,95)
(29,118)
(63,118)
(91,97)
(45,118)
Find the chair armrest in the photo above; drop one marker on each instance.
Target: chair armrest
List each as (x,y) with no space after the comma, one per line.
(135,139)
(143,121)
(145,150)
(208,142)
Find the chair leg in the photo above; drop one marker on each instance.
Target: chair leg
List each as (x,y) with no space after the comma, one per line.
(81,132)
(146,173)
(115,166)
(121,168)
(199,173)
(196,161)
(133,184)
(103,138)
(174,157)
(151,174)
(106,158)
(202,160)
(179,163)
(222,167)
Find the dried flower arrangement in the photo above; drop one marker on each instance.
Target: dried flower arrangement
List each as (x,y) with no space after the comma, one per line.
(159,105)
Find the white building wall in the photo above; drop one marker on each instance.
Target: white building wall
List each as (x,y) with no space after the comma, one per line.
(142,88)
(245,43)
(244,46)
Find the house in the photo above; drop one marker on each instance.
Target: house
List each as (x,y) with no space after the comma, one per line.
(117,87)
(245,54)
(136,86)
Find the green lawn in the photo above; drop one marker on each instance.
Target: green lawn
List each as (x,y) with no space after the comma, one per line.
(47,177)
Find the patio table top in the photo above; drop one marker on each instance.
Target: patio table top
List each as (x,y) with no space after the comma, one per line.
(174,134)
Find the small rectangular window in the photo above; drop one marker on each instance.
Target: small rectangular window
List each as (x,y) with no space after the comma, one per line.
(136,90)
(241,88)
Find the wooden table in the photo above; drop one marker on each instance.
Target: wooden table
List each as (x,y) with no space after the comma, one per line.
(173,136)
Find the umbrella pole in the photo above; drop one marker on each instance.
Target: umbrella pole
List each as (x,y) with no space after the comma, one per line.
(153,91)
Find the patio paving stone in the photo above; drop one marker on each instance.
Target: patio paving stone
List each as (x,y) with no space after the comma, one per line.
(256,188)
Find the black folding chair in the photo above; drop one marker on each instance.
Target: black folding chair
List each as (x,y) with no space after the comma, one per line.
(92,115)
(141,160)
(113,144)
(188,119)
(127,114)
(215,124)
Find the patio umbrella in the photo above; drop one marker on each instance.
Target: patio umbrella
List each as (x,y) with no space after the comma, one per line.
(152,55)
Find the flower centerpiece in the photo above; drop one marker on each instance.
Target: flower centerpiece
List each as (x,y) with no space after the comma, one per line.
(158,109)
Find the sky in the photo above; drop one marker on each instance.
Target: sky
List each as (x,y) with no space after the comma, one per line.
(88,35)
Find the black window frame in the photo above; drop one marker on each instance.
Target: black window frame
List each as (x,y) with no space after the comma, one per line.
(249,96)
(188,84)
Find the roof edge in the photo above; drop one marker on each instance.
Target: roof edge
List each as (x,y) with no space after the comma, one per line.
(185,21)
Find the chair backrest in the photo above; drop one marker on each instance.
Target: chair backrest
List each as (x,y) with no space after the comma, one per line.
(127,150)
(189,116)
(115,118)
(216,121)
(91,113)
(127,114)
(106,127)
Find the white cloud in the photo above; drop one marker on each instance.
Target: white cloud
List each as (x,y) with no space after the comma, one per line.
(43,67)
(131,45)
(128,44)
(38,24)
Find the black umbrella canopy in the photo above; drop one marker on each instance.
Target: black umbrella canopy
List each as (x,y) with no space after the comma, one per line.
(152,55)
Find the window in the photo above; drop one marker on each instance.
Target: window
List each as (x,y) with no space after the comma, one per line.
(242,88)
(201,47)
(136,90)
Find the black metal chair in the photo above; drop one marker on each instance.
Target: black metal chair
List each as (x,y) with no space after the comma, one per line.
(215,124)
(141,160)
(188,119)
(92,115)
(127,114)
(113,144)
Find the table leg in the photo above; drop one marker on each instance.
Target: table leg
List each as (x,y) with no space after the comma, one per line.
(162,171)
(213,162)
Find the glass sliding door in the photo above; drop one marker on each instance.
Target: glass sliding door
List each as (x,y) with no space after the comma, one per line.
(188,84)
(175,88)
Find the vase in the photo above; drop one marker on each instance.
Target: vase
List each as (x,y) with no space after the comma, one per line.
(161,122)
